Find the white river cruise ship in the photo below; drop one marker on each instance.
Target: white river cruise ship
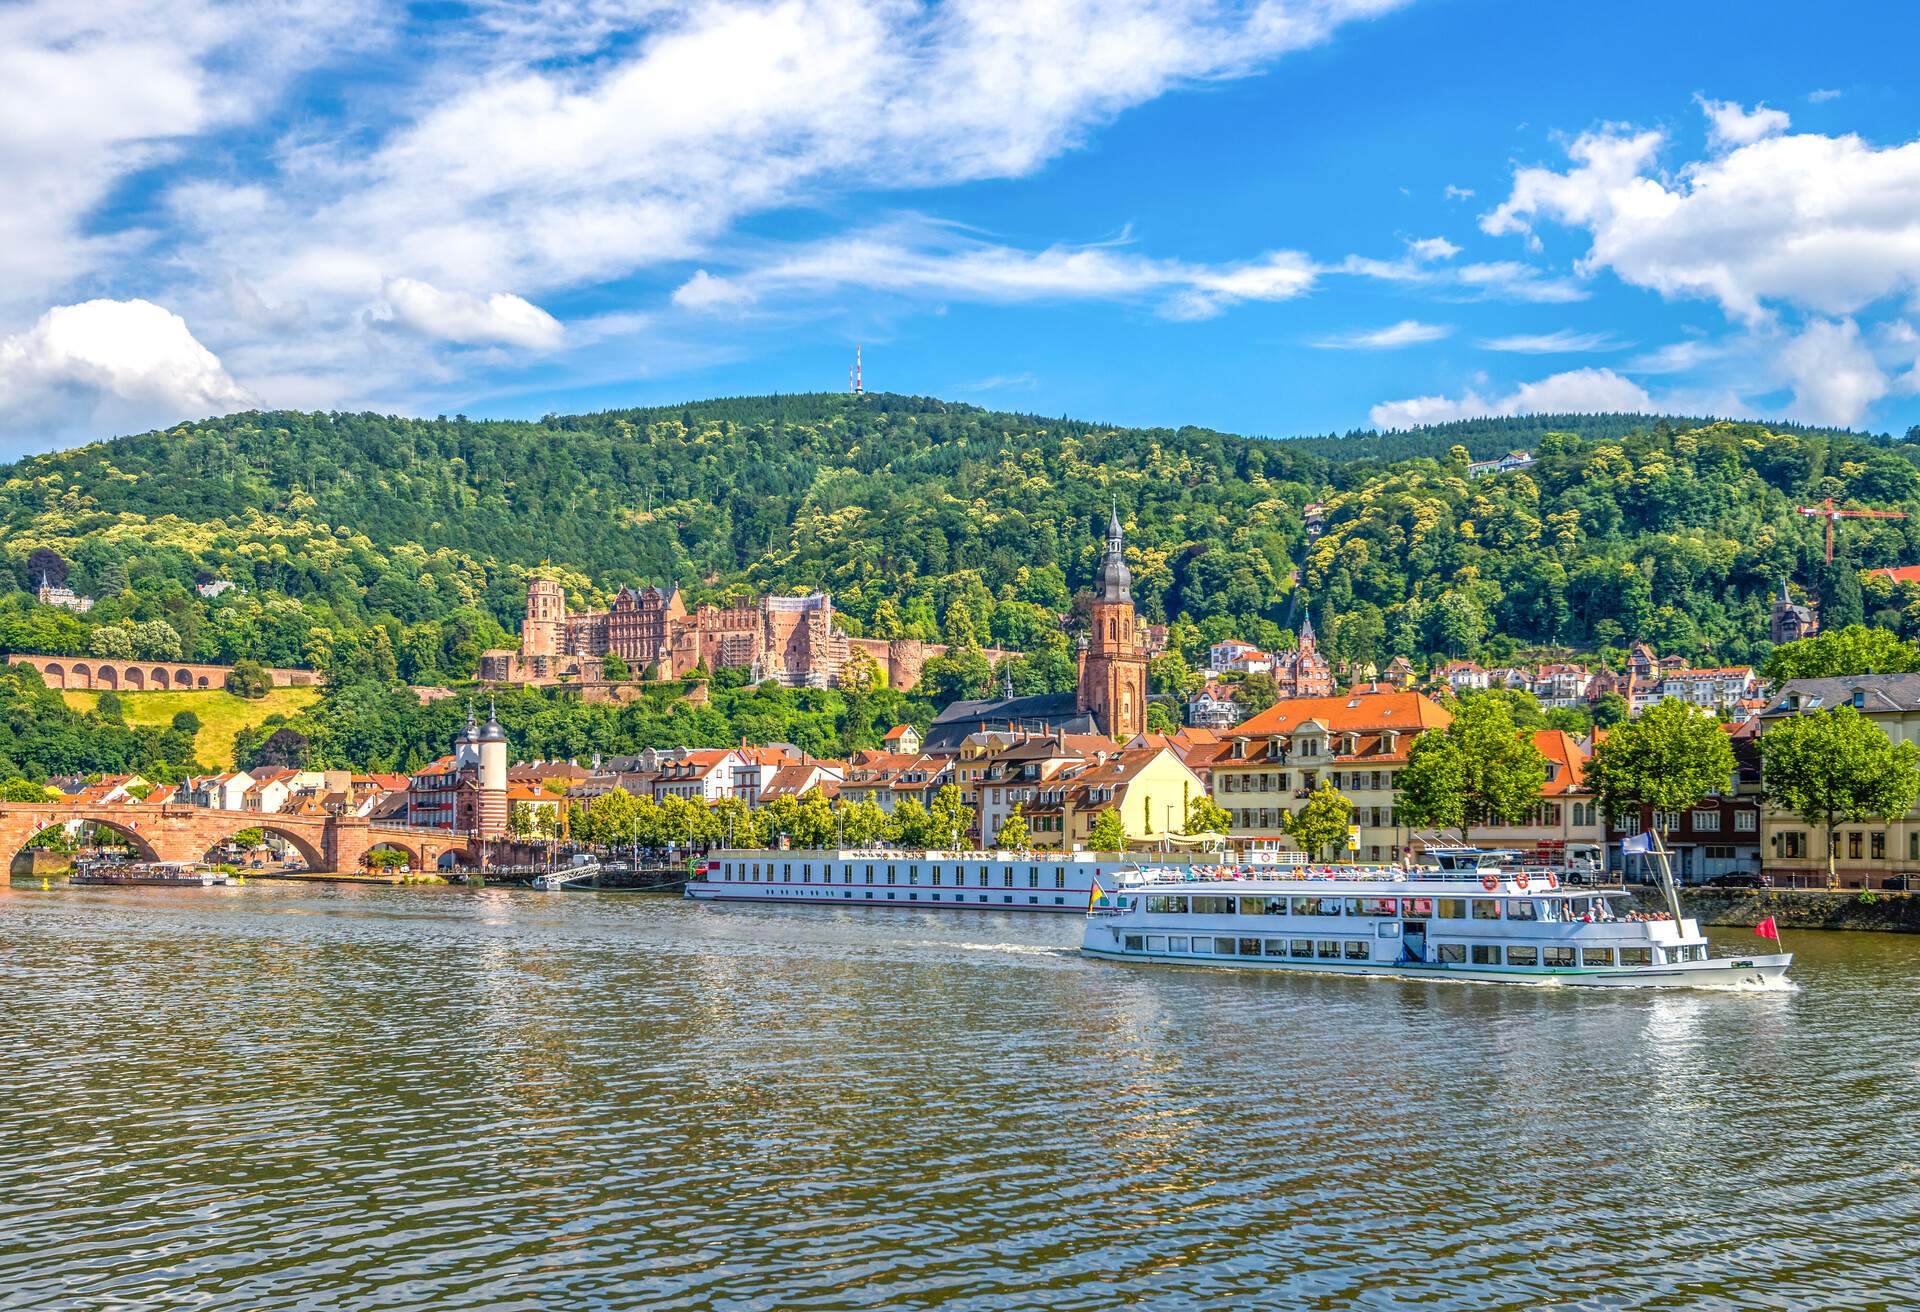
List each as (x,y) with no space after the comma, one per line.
(888,877)
(1474,917)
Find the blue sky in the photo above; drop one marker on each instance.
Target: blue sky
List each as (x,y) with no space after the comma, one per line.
(1285,217)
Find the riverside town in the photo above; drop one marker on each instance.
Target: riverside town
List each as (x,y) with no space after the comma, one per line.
(683,656)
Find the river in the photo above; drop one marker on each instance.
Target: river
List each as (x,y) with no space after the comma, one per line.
(280,1096)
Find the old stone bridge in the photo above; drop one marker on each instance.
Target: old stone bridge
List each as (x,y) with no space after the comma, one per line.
(167,831)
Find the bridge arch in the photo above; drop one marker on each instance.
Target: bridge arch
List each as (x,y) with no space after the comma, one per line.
(295,837)
(57,821)
(106,676)
(183,678)
(80,676)
(157,678)
(135,678)
(55,675)
(457,858)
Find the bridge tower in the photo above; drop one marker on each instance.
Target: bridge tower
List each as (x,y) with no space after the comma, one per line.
(492,743)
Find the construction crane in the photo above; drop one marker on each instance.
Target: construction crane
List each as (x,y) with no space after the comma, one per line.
(1828,513)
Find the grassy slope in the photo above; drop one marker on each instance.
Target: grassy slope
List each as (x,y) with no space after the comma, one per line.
(222,714)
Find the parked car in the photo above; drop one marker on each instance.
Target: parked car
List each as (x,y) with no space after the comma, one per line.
(1740,881)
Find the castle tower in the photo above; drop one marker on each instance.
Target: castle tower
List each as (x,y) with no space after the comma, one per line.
(1113,663)
(491,742)
(546,619)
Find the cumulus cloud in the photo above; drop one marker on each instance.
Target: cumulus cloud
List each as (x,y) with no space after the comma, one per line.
(1576,391)
(1408,332)
(1458,193)
(703,291)
(1821,224)
(1834,376)
(501,319)
(1729,124)
(118,364)
(1822,96)
(1432,248)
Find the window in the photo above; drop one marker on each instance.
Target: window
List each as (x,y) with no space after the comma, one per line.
(1853,845)
(1135,942)
(786,873)
(1263,906)
(1596,956)
(936,876)
(1006,878)
(1212,906)
(1358,949)
(1276,947)
(1453,954)
(1520,909)
(1156,942)
(1453,908)
(1636,956)
(1559,956)
(1877,846)
(1486,954)
(1249,947)
(1746,822)
(890,874)
(1300,947)
(1913,846)
(1706,820)
(1166,905)
(1223,947)
(1372,906)
(1316,906)
(1791,844)
(1416,906)
(1486,908)
(1177,943)
(1059,879)
(1327,949)
(1519,956)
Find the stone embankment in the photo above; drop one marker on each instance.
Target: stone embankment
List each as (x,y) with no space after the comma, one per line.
(1896,913)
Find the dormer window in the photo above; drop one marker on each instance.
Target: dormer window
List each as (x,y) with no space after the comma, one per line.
(1859,698)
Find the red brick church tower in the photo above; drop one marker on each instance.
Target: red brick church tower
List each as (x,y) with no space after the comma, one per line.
(1113,660)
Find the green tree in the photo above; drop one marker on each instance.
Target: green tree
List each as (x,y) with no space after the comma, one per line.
(1206,816)
(614,669)
(186,722)
(1837,767)
(1322,822)
(1610,709)
(862,823)
(110,708)
(247,679)
(1480,769)
(22,790)
(739,825)
(1668,759)
(950,817)
(1836,653)
(1109,832)
(1013,835)
(911,826)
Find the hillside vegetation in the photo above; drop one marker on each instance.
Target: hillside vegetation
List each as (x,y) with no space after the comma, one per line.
(222,715)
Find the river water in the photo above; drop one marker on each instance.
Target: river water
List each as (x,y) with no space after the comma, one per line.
(367,1098)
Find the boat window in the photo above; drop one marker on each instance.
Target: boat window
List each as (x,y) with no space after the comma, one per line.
(1212,906)
(786,872)
(1006,878)
(869,874)
(1135,942)
(1559,956)
(1177,943)
(1060,878)
(890,874)
(1161,905)
(1358,949)
(1636,956)
(1486,954)
(1596,956)
(1263,906)
(1223,947)
(1519,956)
(1033,877)
(806,873)
(1156,942)
(1416,906)
(1316,906)
(1300,947)
(1276,947)
(1520,908)
(1249,947)
(1373,906)
(1453,954)
(1549,909)
(936,876)
(1327,949)
(1453,908)
(1486,908)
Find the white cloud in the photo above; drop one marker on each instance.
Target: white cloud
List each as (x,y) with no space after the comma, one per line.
(1560,342)
(1729,125)
(1432,248)
(1506,280)
(703,291)
(1823,224)
(1408,332)
(1458,193)
(109,364)
(1582,391)
(501,319)
(1020,382)
(1822,96)
(1833,375)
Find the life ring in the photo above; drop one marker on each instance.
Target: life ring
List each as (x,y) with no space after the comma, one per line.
(1520,881)
(1489,882)
(1553,880)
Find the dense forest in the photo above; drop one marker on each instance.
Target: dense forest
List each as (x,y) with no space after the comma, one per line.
(389,550)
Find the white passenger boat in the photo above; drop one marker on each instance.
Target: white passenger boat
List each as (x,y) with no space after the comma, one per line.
(1473,917)
(889,877)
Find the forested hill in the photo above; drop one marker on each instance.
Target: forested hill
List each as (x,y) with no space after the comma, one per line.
(405,544)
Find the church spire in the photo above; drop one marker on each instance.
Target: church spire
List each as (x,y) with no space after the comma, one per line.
(1114,583)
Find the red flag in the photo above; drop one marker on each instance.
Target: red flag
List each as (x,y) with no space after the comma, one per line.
(1767,929)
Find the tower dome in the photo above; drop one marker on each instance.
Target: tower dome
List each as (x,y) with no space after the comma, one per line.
(1114,581)
(491,732)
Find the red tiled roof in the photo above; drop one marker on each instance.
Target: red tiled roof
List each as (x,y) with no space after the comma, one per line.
(1392,710)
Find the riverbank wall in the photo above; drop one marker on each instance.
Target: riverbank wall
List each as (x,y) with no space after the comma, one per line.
(1797,908)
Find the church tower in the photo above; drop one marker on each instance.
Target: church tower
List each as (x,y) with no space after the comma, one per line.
(540,633)
(1113,660)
